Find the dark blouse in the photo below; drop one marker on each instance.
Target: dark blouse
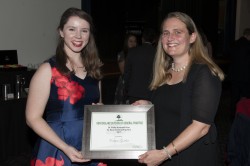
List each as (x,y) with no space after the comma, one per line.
(175,108)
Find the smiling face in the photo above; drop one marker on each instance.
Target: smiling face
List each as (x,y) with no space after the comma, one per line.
(176,39)
(76,33)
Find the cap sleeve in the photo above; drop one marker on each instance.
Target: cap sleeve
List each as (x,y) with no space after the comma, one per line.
(205,96)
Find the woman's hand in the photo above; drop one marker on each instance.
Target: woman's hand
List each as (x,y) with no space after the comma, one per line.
(97,104)
(141,102)
(74,155)
(153,157)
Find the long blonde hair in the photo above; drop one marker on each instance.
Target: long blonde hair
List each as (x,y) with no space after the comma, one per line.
(197,53)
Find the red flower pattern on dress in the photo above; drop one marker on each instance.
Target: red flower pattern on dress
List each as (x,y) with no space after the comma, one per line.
(66,88)
(50,161)
(102,164)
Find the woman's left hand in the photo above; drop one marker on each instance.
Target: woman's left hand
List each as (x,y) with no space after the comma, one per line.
(97,104)
(141,102)
(153,157)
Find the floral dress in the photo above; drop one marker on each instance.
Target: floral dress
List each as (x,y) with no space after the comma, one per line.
(64,113)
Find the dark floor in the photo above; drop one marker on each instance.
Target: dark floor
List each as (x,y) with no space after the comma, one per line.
(222,121)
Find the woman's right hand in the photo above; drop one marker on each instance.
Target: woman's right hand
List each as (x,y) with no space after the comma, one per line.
(74,155)
(141,102)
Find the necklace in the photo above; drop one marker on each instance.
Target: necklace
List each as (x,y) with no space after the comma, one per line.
(76,68)
(179,69)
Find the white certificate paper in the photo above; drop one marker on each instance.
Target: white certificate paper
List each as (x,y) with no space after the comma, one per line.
(118,131)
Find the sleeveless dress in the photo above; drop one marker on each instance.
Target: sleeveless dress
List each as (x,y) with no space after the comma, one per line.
(64,113)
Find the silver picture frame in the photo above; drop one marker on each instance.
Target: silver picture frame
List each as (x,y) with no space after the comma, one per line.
(118,131)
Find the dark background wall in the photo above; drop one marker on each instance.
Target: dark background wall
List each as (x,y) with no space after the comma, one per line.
(112,19)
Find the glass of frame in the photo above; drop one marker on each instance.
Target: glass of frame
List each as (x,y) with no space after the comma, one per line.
(117,131)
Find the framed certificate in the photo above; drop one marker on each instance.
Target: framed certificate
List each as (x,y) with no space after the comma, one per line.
(117,131)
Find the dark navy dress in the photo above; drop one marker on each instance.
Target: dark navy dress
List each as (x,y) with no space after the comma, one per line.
(64,114)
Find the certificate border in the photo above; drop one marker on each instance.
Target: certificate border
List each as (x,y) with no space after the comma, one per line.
(121,154)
